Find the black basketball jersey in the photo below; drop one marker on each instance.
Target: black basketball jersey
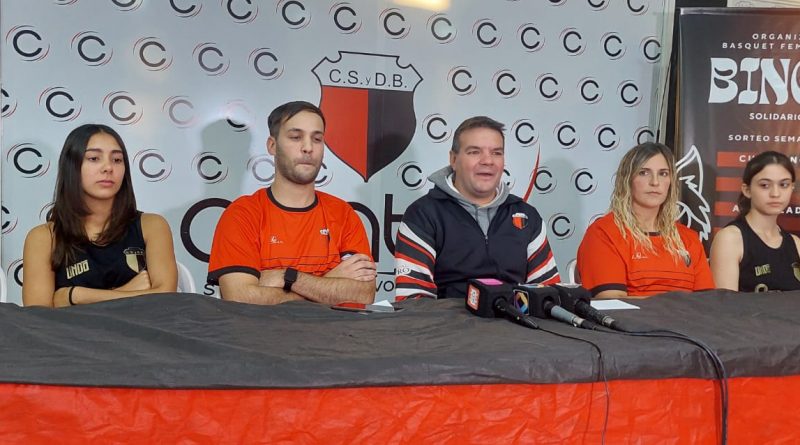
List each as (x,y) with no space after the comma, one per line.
(764,268)
(106,267)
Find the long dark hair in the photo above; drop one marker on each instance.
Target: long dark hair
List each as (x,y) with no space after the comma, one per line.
(753,167)
(69,209)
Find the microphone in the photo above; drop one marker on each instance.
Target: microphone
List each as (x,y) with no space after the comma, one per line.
(488,298)
(545,302)
(577,299)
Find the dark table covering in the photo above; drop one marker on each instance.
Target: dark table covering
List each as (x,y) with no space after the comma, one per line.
(192,341)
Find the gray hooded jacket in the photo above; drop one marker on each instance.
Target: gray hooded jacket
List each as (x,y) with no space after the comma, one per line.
(443,178)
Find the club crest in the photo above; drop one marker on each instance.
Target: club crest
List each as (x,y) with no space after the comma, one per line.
(368,102)
(520,220)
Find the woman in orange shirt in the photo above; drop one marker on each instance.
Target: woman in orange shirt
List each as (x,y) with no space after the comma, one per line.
(638,248)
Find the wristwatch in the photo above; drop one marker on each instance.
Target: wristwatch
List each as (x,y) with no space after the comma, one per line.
(289,277)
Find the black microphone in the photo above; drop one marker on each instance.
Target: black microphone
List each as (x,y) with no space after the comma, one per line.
(488,298)
(512,313)
(545,302)
(577,299)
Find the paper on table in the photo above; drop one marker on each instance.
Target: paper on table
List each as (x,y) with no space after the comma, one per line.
(382,303)
(609,305)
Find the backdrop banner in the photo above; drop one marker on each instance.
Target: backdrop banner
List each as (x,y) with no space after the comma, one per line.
(739,96)
(189,85)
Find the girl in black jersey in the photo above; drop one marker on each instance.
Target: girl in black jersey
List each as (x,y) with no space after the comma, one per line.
(96,245)
(753,253)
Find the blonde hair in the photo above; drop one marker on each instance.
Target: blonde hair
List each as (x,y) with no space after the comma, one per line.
(622,200)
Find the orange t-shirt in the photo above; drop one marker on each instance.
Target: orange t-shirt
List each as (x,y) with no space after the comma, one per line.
(257,233)
(607,261)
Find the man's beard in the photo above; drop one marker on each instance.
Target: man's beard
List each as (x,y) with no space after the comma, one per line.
(291,173)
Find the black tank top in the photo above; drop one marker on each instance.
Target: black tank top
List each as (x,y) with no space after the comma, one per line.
(107,267)
(764,268)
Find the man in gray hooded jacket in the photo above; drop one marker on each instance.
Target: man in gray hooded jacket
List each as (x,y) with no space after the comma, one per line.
(469,225)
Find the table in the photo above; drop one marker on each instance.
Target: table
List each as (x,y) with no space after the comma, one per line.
(183,368)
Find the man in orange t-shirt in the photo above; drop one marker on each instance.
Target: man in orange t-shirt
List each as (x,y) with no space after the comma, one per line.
(290,241)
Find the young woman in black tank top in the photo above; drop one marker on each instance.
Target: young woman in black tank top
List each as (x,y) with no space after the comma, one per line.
(96,246)
(753,253)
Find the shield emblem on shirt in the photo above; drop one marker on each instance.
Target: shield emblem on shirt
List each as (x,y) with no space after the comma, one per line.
(368,102)
(520,220)
(134,258)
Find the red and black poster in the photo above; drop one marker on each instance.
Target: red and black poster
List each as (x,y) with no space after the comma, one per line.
(739,94)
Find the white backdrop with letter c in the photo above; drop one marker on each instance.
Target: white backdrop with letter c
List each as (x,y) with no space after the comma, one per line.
(189,84)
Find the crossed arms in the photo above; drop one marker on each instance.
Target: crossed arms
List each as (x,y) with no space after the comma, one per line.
(352,280)
(39,287)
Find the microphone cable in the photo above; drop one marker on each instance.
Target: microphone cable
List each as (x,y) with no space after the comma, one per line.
(719,367)
(601,376)
(516,312)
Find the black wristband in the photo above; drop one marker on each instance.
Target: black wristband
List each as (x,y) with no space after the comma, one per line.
(69,296)
(289,278)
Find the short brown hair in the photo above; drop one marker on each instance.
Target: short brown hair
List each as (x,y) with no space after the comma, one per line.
(287,111)
(476,122)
